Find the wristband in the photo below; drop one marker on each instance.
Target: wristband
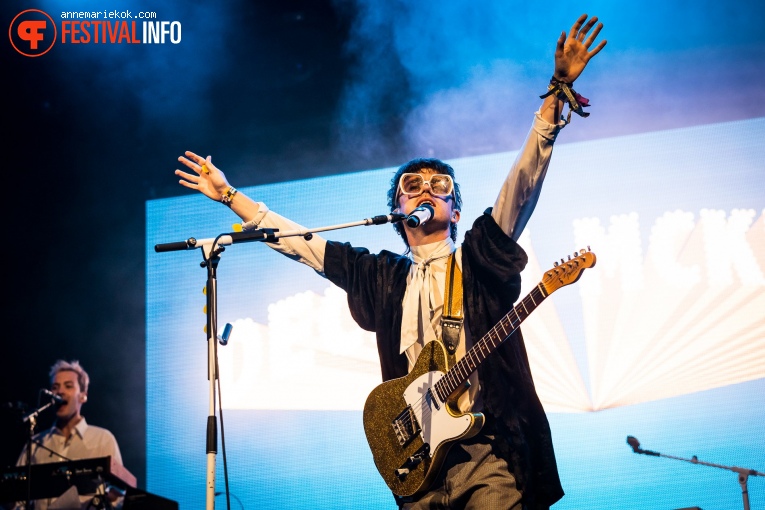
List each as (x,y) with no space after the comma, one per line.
(566,93)
(227,197)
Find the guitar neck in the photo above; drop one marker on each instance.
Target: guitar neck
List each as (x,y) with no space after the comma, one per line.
(501,331)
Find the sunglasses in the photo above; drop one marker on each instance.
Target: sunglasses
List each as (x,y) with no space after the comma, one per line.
(440,185)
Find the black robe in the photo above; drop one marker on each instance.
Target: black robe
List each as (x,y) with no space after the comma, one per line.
(491,266)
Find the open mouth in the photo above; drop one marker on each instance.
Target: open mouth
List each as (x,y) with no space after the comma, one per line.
(426,201)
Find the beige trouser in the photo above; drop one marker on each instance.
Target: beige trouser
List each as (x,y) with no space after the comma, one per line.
(472,478)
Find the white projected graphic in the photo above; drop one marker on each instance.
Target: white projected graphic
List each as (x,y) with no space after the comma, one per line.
(311,356)
(686,317)
(556,375)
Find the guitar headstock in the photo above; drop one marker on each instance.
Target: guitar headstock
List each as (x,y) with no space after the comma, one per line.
(568,271)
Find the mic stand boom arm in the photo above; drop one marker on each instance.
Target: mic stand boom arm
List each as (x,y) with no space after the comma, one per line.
(743,473)
(308,232)
(212,247)
(211,250)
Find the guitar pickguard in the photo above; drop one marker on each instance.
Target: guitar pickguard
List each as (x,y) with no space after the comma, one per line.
(409,429)
(437,424)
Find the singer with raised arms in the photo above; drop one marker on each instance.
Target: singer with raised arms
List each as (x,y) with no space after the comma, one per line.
(510,462)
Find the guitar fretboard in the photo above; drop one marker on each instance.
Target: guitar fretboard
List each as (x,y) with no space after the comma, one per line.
(501,331)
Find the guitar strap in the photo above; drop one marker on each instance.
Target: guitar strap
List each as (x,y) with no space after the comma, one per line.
(453,316)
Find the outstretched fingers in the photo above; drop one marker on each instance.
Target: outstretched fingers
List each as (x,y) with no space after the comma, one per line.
(192,165)
(195,157)
(583,32)
(189,177)
(597,49)
(188,184)
(576,26)
(561,42)
(197,163)
(188,180)
(593,35)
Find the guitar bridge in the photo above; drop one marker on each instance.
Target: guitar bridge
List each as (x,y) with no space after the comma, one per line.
(406,426)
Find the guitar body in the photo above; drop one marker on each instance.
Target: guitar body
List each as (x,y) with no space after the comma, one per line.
(410,429)
(411,422)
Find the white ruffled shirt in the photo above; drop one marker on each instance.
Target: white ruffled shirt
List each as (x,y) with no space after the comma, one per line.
(424,307)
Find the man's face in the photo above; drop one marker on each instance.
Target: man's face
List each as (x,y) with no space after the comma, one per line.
(66,386)
(444,213)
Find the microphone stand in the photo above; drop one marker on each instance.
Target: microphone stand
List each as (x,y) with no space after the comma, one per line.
(211,250)
(31,419)
(743,473)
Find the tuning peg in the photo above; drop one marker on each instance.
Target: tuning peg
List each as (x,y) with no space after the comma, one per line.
(582,252)
(569,257)
(562,261)
(555,264)
(588,248)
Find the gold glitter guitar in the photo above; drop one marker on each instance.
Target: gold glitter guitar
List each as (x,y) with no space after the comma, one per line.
(411,422)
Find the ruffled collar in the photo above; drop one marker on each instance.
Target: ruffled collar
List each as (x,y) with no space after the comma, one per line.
(432,251)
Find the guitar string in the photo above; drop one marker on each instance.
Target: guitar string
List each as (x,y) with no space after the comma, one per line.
(451,381)
(478,348)
(496,341)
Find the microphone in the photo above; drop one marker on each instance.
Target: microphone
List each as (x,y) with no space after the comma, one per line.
(420,215)
(55,398)
(635,444)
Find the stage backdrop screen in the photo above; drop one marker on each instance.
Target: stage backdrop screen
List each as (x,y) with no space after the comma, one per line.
(664,339)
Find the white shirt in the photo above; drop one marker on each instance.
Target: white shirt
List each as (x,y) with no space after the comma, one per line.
(86,442)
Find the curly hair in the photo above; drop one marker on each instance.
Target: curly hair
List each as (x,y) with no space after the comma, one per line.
(415,166)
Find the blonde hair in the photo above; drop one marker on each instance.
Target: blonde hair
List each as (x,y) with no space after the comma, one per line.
(71,366)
